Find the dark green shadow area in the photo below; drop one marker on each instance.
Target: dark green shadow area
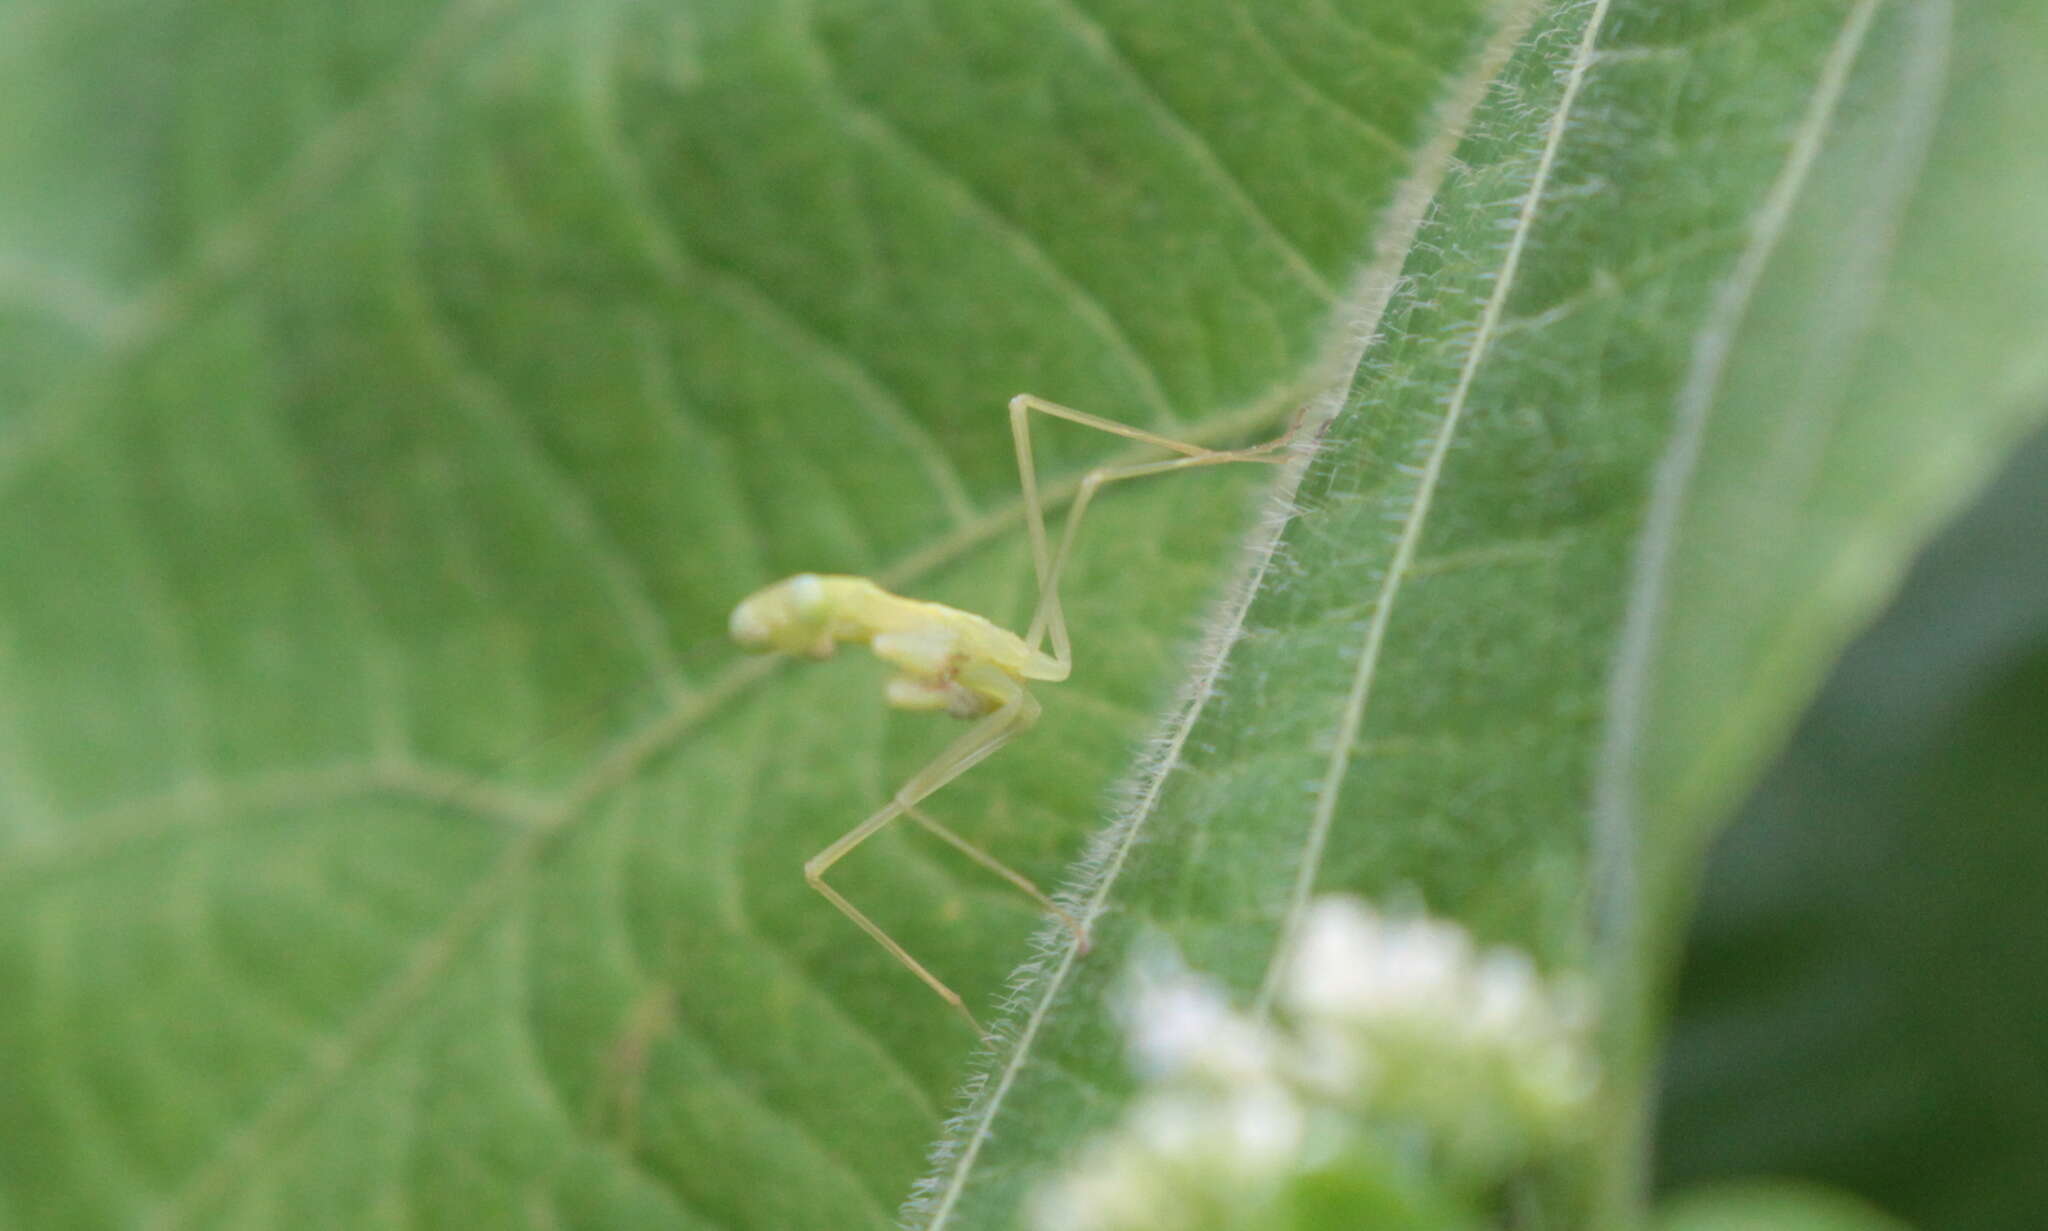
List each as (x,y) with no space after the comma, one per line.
(1863,992)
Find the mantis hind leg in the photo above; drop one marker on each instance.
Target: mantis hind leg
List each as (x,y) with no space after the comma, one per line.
(1049,619)
(1008,873)
(970,749)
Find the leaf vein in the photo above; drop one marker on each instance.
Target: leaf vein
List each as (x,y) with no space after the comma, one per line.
(188,714)
(475,392)
(1615,855)
(1029,250)
(380,660)
(676,258)
(1308,86)
(1093,35)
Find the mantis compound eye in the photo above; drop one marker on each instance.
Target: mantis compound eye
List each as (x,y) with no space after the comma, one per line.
(806,594)
(750,625)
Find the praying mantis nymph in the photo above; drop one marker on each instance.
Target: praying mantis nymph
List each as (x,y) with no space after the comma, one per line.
(953,661)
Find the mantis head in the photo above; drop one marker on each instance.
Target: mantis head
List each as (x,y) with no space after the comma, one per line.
(794,616)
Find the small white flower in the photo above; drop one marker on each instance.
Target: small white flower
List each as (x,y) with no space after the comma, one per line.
(1171,1123)
(1179,1024)
(1329,1061)
(1261,1130)
(1506,996)
(1419,969)
(1330,971)
(1351,963)
(1111,1189)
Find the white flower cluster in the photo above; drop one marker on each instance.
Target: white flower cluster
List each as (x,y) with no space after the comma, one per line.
(1393,1030)
(1216,1129)
(1404,1018)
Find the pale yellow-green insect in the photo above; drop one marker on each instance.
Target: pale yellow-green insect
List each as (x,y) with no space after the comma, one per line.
(955,661)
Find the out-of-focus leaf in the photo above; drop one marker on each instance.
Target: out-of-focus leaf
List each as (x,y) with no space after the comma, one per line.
(1863,996)
(1771,1207)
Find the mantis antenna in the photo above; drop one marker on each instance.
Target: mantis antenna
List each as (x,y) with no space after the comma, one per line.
(956,662)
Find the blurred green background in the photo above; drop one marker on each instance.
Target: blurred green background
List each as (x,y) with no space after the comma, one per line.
(1863,994)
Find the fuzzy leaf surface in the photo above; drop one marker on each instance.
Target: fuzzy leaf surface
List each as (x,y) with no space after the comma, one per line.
(1722,307)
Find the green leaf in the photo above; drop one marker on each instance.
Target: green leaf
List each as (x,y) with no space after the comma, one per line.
(1720,310)
(386,392)
(389,390)
(1862,993)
